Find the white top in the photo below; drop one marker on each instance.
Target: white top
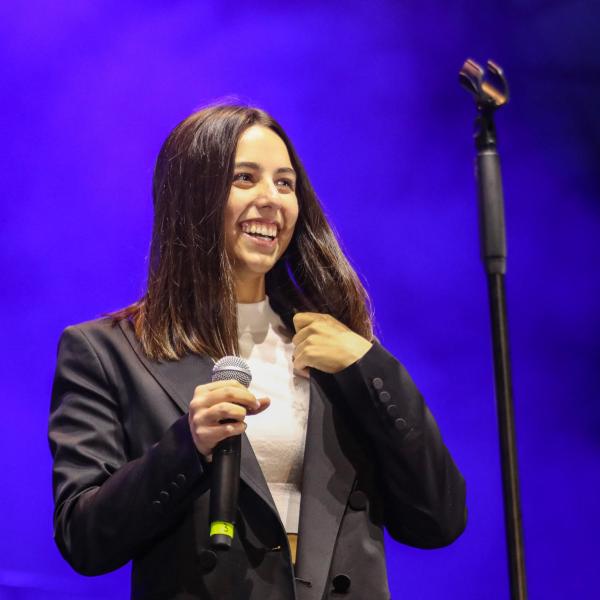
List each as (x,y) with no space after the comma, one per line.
(278,434)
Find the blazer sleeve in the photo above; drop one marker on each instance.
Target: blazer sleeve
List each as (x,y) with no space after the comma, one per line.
(423,491)
(109,508)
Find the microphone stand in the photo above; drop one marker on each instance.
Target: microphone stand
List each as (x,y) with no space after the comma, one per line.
(489,96)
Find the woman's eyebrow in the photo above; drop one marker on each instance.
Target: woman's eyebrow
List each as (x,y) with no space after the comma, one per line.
(286,170)
(247,165)
(257,167)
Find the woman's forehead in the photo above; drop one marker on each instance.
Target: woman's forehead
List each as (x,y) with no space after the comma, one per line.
(263,146)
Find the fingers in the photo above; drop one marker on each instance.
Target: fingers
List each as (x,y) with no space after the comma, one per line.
(207,429)
(299,362)
(206,438)
(264,403)
(213,385)
(225,430)
(302,319)
(213,393)
(309,323)
(324,343)
(302,335)
(217,411)
(306,351)
(223,412)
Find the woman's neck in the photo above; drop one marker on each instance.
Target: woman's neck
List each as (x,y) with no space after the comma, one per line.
(248,291)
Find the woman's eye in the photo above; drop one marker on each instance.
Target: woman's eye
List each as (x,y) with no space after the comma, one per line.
(286,183)
(244,177)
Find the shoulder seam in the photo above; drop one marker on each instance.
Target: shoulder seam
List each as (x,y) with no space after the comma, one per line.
(94,353)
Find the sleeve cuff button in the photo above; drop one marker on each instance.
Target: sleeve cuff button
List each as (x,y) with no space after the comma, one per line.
(384,397)
(377,383)
(400,424)
(393,411)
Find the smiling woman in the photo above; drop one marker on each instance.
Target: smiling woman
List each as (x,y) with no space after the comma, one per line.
(261,211)
(339,443)
(220,174)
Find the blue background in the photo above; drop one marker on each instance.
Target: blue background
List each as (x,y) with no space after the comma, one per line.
(368,91)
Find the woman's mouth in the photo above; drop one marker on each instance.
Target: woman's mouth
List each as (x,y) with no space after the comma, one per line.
(259,231)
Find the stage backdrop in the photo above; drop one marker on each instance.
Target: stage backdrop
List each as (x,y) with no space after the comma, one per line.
(368,91)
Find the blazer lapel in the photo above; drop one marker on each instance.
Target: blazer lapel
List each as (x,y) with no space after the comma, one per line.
(327,482)
(251,473)
(179,378)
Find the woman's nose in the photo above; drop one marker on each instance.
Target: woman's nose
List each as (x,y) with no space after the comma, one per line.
(268,192)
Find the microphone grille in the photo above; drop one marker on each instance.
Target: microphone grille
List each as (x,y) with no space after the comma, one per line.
(232,367)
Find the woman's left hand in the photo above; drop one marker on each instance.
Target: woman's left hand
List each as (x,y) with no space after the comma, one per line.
(323,343)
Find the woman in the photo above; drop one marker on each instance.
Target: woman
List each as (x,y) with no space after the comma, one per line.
(244,262)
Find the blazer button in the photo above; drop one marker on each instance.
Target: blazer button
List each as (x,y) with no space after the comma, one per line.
(180,480)
(400,424)
(157,507)
(358,500)
(377,383)
(393,411)
(384,397)
(207,560)
(341,583)
(164,497)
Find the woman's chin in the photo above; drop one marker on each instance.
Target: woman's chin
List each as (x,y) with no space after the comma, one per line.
(253,269)
(256,262)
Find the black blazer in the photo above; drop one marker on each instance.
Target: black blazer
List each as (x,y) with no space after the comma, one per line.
(130,485)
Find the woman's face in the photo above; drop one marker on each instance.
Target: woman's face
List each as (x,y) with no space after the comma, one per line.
(262,207)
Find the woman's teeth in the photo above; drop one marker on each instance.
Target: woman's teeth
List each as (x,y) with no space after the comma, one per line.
(264,230)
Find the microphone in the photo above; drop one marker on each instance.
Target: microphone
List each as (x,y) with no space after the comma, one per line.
(225,481)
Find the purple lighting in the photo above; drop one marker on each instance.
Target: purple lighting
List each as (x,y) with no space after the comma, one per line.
(369,94)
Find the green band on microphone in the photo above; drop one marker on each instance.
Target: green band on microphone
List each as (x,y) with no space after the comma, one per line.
(222,528)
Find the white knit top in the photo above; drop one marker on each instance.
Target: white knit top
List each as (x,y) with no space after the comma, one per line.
(278,434)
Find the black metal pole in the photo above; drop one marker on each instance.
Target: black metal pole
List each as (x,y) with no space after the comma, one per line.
(493,251)
(508,444)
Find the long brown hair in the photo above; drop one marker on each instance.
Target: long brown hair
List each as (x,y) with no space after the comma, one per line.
(189,305)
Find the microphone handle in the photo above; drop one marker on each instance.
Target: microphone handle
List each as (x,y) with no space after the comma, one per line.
(224,491)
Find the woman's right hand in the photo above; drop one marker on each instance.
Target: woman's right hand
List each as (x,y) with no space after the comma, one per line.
(217,411)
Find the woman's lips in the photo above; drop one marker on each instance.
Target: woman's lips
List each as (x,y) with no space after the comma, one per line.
(261,242)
